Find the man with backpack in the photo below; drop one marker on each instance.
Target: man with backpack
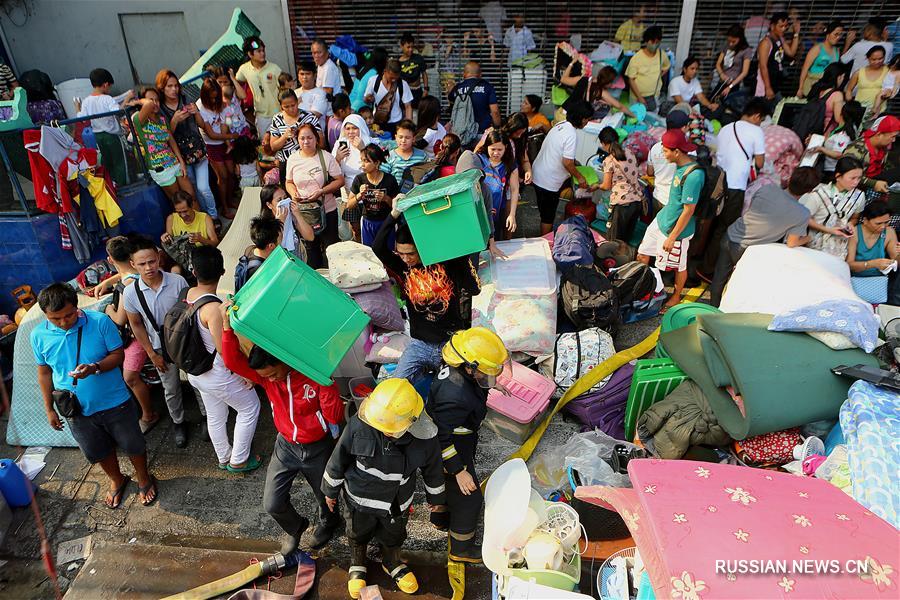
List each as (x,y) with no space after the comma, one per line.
(475,106)
(390,97)
(146,303)
(668,236)
(265,233)
(774,215)
(741,154)
(201,336)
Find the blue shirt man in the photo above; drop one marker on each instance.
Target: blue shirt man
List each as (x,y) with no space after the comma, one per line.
(56,348)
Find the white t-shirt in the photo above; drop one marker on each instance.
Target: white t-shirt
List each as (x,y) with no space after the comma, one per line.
(857,54)
(837,141)
(687,90)
(403,92)
(314,101)
(96,105)
(433,136)
(734,161)
(663,173)
(329,75)
(548,170)
(216,121)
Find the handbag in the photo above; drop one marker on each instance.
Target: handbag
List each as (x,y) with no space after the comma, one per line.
(66,402)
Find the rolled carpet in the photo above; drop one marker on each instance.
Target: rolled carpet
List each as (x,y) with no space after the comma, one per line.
(782,379)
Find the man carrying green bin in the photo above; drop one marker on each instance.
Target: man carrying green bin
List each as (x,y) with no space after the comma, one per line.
(438,297)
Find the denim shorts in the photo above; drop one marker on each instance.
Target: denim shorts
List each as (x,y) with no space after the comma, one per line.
(99,434)
(167,176)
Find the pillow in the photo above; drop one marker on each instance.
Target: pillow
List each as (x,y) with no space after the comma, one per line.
(351,265)
(835,341)
(853,318)
(388,348)
(382,308)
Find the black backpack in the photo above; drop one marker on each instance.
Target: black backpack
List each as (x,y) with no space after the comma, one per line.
(810,118)
(632,282)
(714,192)
(181,335)
(244,270)
(589,299)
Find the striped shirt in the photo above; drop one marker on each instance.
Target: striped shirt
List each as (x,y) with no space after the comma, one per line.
(280,127)
(396,164)
(7,79)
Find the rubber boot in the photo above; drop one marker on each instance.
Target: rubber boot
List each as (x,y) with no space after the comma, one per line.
(357,579)
(466,551)
(399,572)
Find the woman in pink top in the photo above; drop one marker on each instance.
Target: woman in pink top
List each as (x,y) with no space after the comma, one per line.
(831,87)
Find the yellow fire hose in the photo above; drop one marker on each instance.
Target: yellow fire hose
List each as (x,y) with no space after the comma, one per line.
(218,587)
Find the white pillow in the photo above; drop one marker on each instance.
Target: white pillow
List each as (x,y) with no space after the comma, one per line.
(834,340)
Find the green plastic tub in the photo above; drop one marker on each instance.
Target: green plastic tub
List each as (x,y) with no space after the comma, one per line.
(298,316)
(566,578)
(653,380)
(447,217)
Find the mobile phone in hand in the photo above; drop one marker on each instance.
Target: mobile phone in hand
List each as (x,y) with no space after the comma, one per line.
(342,144)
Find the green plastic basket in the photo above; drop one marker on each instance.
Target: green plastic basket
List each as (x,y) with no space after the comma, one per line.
(653,380)
(566,578)
(447,217)
(298,316)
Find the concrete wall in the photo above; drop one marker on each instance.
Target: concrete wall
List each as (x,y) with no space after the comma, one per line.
(68,38)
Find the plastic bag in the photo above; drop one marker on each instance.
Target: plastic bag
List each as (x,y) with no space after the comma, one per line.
(584,452)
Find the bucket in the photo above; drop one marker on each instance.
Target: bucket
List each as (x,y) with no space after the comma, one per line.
(14,486)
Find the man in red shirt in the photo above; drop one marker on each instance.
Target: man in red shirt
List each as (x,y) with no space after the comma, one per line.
(302,410)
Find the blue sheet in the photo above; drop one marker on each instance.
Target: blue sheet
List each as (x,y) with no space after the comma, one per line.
(870,420)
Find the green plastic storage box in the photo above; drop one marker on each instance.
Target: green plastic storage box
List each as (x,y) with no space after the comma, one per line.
(447,217)
(298,316)
(652,381)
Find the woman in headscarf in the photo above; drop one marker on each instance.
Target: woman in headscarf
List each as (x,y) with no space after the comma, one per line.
(354,137)
(872,150)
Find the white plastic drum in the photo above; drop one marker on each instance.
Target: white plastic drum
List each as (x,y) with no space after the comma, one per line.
(70,89)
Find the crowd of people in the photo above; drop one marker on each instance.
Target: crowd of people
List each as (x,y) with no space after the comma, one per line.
(332,169)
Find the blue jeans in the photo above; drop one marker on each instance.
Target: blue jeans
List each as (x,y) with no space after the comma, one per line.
(198,173)
(418,358)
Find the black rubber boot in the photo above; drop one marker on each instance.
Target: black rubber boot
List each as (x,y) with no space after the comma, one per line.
(465,551)
(399,572)
(290,542)
(357,578)
(323,533)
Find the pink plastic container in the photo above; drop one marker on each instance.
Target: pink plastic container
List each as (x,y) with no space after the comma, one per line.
(515,416)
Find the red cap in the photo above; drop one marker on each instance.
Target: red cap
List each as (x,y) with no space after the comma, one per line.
(886,124)
(674,139)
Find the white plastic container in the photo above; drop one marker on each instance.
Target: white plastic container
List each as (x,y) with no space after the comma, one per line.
(527,269)
(69,90)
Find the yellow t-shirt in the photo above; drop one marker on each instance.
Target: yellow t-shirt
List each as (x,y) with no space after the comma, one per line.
(264,84)
(198,225)
(630,35)
(647,71)
(867,89)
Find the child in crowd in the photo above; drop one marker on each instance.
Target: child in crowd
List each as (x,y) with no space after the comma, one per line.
(286,81)
(445,160)
(119,250)
(245,153)
(232,95)
(366,113)
(531,108)
(375,189)
(404,155)
(890,85)
(107,130)
(497,161)
(265,233)
(340,106)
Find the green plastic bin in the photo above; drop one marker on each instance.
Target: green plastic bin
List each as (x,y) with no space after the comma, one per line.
(653,380)
(298,316)
(447,217)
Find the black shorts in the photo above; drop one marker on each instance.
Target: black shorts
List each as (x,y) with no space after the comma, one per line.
(99,434)
(547,203)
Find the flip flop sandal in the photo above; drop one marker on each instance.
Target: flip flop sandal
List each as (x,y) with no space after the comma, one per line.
(223,466)
(143,491)
(146,426)
(253,463)
(120,491)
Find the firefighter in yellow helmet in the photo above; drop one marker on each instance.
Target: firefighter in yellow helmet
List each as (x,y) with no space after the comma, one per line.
(374,467)
(472,360)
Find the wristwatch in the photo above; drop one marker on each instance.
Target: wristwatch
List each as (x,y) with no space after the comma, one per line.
(96,368)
